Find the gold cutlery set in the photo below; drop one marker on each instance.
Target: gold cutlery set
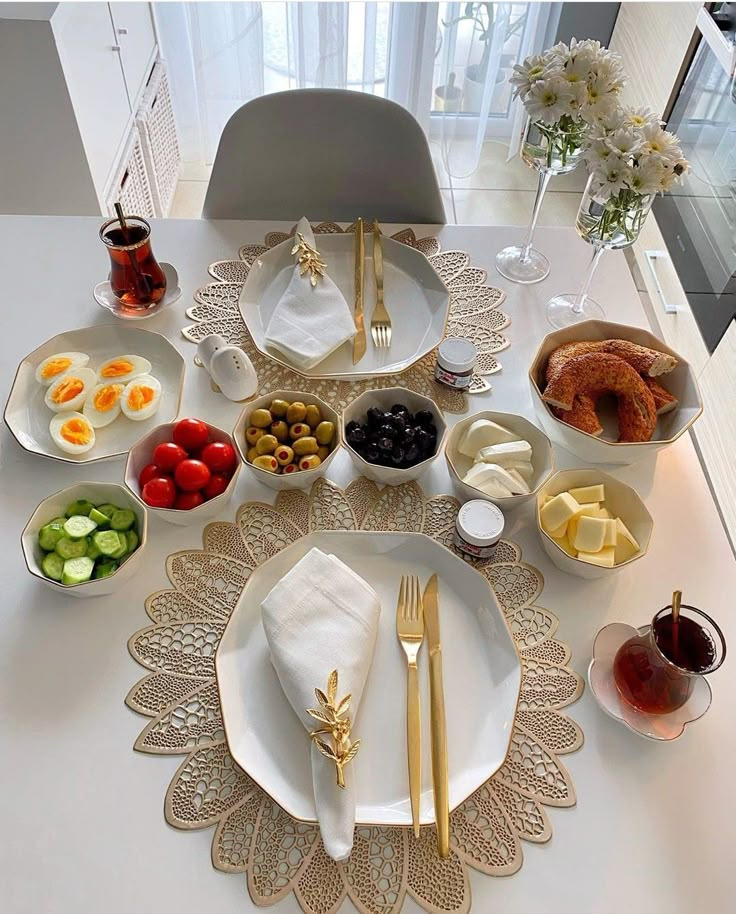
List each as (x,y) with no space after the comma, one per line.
(414,613)
(380,321)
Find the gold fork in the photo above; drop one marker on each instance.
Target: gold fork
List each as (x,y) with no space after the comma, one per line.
(410,629)
(380,322)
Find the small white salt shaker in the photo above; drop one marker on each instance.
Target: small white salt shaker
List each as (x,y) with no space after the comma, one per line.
(229,367)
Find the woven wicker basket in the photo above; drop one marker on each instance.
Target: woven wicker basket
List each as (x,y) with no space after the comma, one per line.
(130,186)
(155,120)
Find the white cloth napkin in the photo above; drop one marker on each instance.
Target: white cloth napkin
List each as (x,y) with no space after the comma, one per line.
(309,322)
(322,616)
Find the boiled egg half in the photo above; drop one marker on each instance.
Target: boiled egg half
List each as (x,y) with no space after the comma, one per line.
(141,398)
(102,406)
(123,368)
(56,365)
(70,390)
(72,432)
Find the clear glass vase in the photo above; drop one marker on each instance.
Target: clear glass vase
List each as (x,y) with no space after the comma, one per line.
(550,150)
(607,224)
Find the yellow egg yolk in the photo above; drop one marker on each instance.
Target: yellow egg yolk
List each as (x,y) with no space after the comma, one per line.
(140,397)
(54,367)
(117,369)
(106,397)
(76,431)
(67,389)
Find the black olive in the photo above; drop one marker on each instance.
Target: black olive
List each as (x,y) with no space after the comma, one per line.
(398,409)
(411,454)
(371,452)
(432,429)
(399,423)
(356,436)
(421,438)
(386,445)
(388,417)
(374,417)
(397,456)
(387,431)
(407,436)
(424,417)
(351,426)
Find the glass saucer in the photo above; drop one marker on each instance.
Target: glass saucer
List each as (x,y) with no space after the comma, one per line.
(106,299)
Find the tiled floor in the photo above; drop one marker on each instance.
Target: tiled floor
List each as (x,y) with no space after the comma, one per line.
(482,198)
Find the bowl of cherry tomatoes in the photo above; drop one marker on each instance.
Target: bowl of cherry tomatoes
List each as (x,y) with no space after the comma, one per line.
(183,472)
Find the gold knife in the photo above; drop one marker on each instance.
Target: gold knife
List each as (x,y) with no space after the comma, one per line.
(359,343)
(437,717)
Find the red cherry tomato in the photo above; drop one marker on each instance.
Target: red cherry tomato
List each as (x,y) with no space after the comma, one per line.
(192,475)
(150,471)
(191,434)
(159,492)
(167,454)
(216,486)
(219,457)
(185,501)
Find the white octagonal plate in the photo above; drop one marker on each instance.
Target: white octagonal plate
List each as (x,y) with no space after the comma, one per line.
(28,418)
(482,677)
(416,298)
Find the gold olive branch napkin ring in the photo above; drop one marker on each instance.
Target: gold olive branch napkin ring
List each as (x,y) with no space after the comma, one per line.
(332,713)
(309,259)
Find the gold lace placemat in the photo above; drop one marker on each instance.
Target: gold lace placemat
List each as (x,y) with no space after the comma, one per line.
(474,314)
(255,837)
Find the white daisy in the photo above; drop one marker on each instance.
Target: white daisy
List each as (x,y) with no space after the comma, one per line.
(549,100)
(625,141)
(640,117)
(529,73)
(647,177)
(660,142)
(611,179)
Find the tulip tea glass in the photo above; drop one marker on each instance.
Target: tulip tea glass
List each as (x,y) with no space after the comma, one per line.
(136,279)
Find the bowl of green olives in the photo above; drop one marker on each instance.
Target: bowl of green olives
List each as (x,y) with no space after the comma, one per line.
(288,438)
(393,435)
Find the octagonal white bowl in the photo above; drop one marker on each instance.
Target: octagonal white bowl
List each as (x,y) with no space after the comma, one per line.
(303,479)
(384,399)
(621,500)
(681,382)
(543,461)
(417,299)
(54,506)
(141,454)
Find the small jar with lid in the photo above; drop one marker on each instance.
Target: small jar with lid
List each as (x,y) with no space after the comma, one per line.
(455,360)
(478,528)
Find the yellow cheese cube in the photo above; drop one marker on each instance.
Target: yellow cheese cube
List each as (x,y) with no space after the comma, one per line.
(590,534)
(572,527)
(564,543)
(611,532)
(558,511)
(585,494)
(604,512)
(559,532)
(589,509)
(604,557)
(626,544)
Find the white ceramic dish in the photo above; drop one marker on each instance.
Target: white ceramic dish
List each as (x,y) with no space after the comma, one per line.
(621,500)
(607,449)
(543,461)
(54,506)
(660,727)
(28,418)
(105,298)
(141,454)
(304,478)
(482,676)
(417,300)
(384,399)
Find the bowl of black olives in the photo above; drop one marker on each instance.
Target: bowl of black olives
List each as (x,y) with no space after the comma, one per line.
(393,435)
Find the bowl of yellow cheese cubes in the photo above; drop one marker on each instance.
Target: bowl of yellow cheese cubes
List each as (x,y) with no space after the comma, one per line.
(592,524)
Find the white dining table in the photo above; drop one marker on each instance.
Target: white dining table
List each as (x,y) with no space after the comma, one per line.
(81,814)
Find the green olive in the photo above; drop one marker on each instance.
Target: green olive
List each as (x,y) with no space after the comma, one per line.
(261,418)
(313,416)
(283,454)
(278,408)
(309,463)
(305,446)
(266,462)
(253,434)
(280,429)
(323,452)
(267,444)
(251,455)
(325,432)
(299,430)
(297,412)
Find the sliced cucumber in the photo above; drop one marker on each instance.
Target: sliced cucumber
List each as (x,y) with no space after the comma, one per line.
(81,506)
(101,519)
(133,540)
(92,551)
(52,566)
(72,549)
(50,534)
(103,569)
(78,526)
(108,542)
(122,519)
(123,549)
(77,571)
(107,509)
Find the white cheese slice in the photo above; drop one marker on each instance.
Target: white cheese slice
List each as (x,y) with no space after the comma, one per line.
(590,534)
(480,474)
(526,470)
(604,557)
(521,482)
(585,494)
(483,433)
(558,511)
(505,453)
(479,477)
(626,544)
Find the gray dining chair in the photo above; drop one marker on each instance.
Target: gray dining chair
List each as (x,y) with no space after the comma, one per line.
(328,154)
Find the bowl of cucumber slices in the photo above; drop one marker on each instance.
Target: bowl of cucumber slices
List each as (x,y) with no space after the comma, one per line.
(86,540)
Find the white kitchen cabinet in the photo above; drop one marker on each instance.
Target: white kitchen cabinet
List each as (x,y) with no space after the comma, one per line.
(71,78)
